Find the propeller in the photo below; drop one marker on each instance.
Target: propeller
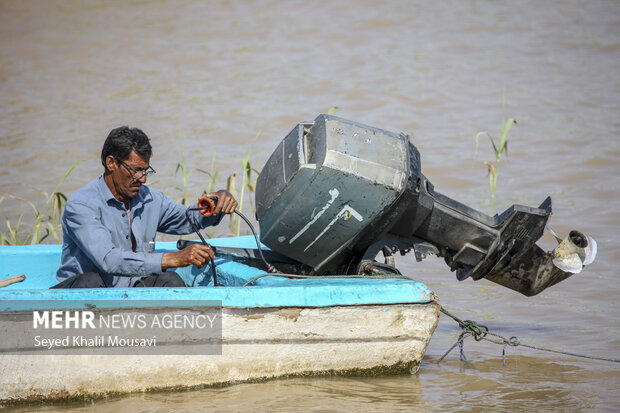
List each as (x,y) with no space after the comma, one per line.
(573,252)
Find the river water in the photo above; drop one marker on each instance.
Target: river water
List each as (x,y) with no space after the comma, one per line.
(216,74)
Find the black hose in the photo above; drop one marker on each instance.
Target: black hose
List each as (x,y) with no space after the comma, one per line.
(270,267)
(197,231)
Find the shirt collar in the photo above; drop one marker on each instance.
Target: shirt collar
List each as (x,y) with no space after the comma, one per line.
(135,202)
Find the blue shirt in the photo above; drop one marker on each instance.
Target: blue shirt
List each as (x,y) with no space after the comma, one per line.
(95,228)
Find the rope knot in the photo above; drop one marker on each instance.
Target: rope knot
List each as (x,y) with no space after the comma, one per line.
(478,331)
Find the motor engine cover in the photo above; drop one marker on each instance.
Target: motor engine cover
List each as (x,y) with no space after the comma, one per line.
(325,184)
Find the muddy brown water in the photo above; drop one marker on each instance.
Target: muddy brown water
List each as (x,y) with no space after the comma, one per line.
(217,73)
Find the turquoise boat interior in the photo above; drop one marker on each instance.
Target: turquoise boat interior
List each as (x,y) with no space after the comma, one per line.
(40,262)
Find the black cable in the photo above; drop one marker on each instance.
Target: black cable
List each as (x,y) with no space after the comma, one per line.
(197,231)
(270,267)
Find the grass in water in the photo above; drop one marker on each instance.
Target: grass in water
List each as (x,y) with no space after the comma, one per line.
(184,172)
(46,222)
(498,149)
(332,110)
(249,176)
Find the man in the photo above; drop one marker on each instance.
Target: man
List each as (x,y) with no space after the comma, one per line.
(109,226)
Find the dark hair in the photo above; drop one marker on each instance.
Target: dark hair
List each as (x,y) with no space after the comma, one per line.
(121,141)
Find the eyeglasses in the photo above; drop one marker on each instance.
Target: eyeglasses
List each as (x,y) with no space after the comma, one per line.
(138,174)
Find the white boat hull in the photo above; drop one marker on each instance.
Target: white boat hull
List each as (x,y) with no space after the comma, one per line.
(258,343)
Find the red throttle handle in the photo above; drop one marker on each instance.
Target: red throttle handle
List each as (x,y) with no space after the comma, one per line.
(207,206)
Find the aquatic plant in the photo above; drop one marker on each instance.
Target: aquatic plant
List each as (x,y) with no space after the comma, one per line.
(498,149)
(249,177)
(185,176)
(248,173)
(46,220)
(185,173)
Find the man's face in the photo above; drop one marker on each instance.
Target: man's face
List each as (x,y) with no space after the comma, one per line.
(126,181)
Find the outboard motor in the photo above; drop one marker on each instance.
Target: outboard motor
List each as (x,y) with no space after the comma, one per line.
(335,193)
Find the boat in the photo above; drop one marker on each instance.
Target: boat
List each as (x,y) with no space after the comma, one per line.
(271,326)
(333,195)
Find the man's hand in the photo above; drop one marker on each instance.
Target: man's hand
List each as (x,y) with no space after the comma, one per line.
(195,254)
(225,201)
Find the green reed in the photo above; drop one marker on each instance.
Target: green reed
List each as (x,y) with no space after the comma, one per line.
(498,149)
(46,220)
(249,175)
(186,172)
